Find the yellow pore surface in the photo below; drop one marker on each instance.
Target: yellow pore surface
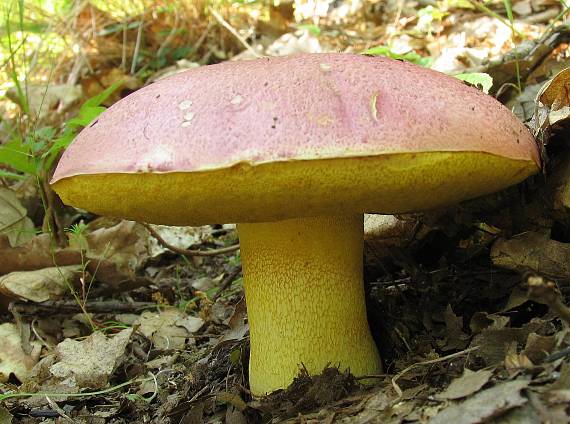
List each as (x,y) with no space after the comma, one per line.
(389,183)
(305,299)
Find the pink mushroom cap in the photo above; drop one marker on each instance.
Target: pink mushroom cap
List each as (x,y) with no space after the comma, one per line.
(299,109)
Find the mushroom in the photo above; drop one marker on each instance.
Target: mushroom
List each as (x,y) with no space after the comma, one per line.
(295,150)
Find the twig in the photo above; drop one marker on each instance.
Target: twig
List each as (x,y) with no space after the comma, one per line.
(557,355)
(232,30)
(123,65)
(65,418)
(137,47)
(189,252)
(226,282)
(200,393)
(367,376)
(54,307)
(432,361)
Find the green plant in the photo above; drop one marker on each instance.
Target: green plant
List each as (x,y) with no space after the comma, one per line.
(478,79)
(412,57)
(35,152)
(10,395)
(565,10)
(77,235)
(313,29)
(427,16)
(483,8)
(510,16)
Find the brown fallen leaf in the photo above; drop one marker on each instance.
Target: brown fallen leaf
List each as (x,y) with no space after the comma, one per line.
(180,237)
(35,254)
(559,396)
(563,382)
(455,338)
(482,320)
(113,255)
(538,347)
(14,221)
(88,363)
(534,251)
(237,324)
(13,358)
(522,415)
(493,343)
(545,291)
(469,383)
(484,405)
(555,95)
(118,251)
(168,329)
(40,285)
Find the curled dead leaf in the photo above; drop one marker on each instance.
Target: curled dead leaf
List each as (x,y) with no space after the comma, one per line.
(14,221)
(40,285)
(555,95)
(13,358)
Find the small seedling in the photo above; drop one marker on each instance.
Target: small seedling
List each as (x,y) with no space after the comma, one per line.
(478,79)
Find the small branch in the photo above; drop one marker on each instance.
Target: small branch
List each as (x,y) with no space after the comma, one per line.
(557,355)
(65,307)
(226,282)
(232,30)
(189,252)
(432,361)
(137,47)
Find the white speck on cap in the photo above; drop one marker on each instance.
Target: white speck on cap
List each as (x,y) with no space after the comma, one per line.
(236,100)
(185,104)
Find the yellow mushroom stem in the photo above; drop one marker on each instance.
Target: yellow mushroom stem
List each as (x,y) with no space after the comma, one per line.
(305,299)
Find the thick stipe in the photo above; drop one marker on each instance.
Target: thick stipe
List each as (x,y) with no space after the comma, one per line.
(305,299)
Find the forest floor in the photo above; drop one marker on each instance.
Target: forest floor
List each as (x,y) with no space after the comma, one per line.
(109,321)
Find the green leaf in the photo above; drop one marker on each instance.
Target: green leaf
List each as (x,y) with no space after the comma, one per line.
(92,108)
(412,57)
(17,156)
(88,112)
(29,27)
(103,95)
(86,116)
(59,144)
(509,9)
(477,79)
(313,29)
(12,175)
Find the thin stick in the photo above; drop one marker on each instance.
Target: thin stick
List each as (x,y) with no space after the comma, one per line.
(226,282)
(137,47)
(66,307)
(189,252)
(231,29)
(432,361)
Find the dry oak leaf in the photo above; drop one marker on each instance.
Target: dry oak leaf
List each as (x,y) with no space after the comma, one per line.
(484,406)
(13,358)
